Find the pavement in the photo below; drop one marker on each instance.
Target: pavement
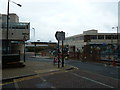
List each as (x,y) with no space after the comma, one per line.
(32,68)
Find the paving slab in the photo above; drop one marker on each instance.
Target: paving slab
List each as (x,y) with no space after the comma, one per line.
(31,68)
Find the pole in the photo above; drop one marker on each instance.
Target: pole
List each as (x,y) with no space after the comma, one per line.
(62,55)
(34,43)
(35,48)
(24,50)
(34,34)
(58,55)
(118,37)
(7,43)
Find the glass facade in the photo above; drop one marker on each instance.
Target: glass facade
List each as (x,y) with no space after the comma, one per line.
(16,25)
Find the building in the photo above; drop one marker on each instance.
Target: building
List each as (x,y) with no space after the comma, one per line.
(41,48)
(13,36)
(41,44)
(48,46)
(91,45)
(18,32)
(91,38)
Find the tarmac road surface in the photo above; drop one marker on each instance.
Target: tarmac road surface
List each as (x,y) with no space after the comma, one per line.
(67,79)
(88,75)
(99,68)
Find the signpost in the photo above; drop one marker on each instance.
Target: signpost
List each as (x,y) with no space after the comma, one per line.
(60,35)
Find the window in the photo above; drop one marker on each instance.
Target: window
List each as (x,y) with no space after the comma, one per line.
(86,38)
(16,25)
(93,36)
(100,36)
(81,37)
(108,37)
(114,36)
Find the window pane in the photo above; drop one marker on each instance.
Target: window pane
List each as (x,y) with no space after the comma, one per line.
(100,36)
(93,36)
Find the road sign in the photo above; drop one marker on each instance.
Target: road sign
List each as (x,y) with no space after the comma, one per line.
(60,35)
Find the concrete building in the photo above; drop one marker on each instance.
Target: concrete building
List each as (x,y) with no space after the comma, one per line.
(18,32)
(91,37)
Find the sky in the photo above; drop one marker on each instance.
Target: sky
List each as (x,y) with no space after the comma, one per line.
(71,16)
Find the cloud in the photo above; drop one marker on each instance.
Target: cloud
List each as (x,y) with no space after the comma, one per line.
(71,16)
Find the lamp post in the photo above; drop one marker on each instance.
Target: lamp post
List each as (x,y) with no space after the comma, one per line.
(117,35)
(34,33)
(34,43)
(7,44)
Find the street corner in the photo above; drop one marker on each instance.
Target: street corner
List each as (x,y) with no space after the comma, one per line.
(46,71)
(66,68)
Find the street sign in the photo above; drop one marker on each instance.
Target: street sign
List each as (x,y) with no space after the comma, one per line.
(60,35)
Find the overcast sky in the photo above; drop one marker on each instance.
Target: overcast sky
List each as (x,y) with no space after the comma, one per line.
(71,16)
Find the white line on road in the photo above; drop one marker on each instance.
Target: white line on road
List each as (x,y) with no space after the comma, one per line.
(46,81)
(92,80)
(43,79)
(53,87)
(16,84)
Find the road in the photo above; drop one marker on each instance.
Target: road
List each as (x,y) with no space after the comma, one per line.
(99,68)
(103,69)
(88,75)
(66,79)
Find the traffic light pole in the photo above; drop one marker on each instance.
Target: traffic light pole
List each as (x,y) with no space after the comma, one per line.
(58,56)
(62,55)
(60,35)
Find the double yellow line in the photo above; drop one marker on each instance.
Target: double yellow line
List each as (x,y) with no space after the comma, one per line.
(33,77)
(20,80)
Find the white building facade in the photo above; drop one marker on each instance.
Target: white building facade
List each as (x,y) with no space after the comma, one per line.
(91,37)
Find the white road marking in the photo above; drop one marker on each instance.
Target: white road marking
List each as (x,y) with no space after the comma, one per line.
(53,87)
(43,79)
(46,81)
(16,84)
(92,80)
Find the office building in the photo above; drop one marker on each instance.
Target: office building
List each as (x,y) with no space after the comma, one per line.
(91,38)
(18,32)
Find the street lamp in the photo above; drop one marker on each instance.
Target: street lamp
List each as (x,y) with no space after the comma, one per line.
(117,35)
(16,4)
(8,22)
(34,33)
(34,43)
